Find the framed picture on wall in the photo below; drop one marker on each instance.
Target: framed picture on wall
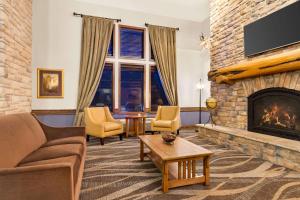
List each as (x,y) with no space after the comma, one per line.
(50,83)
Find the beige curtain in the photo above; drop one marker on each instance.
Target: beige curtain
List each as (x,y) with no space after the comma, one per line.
(163,42)
(96,34)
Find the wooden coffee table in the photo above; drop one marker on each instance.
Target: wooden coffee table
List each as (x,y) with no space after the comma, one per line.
(177,162)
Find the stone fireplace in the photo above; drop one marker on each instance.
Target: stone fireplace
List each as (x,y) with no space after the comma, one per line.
(227,20)
(243,104)
(275,111)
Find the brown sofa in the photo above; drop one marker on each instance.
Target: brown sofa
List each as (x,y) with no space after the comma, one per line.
(39,162)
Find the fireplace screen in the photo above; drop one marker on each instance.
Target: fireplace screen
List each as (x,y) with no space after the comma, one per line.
(275,111)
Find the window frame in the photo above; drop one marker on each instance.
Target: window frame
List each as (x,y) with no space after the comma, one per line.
(132,65)
(118,61)
(144,40)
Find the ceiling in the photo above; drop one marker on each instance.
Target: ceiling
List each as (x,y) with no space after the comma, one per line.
(194,10)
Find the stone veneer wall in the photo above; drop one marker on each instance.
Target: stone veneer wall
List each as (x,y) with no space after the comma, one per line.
(280,151)
(227,20)
(15,56)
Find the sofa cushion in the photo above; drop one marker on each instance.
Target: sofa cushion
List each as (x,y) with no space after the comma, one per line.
(111,126)
(20,135)
(73,160)
(97,114)
(55,151)
(168,112)
(163,123)
(67,140)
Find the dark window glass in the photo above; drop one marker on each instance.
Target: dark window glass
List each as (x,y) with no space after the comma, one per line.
(131,42)
(111,46)
(132,88)
(151,51)
(151,54)
(104,94)
(158,96)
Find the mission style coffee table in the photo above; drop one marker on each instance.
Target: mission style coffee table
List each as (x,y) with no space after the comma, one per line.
(177,162)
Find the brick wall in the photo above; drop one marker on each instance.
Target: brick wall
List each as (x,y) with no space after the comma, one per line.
(227,20)
(15,56)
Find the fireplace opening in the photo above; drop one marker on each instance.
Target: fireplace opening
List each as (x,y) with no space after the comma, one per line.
(275,111)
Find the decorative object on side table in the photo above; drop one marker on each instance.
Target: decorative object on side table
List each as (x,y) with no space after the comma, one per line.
(50,83)
(168,137)
(211,104)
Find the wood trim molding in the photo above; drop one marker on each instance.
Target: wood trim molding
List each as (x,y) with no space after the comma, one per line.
(283,62)
(116,111)
(193,109)
(54,112)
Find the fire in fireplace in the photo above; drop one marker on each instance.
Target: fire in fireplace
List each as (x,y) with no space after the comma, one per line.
(275,111)
(280,117)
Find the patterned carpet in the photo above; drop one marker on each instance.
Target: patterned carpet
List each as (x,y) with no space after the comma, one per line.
(113,171)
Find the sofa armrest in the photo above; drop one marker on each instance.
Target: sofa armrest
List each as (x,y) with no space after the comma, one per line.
(176,124)
(53,181)
(61,132)
(109,116)
(116,121)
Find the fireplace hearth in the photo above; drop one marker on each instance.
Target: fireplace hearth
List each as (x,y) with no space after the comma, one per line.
(275,111)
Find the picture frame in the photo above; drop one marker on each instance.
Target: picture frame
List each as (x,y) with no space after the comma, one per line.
(50,83)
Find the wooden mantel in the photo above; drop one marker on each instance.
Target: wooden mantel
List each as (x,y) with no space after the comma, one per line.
(284,62)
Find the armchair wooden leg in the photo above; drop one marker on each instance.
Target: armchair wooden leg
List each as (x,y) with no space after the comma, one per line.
(178,132)
(102,141)
(121,136)
(87,138)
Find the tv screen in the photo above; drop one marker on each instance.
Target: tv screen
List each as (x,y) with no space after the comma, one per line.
(279,29)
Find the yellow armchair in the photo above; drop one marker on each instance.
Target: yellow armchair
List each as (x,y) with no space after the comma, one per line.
(100,123)
(167,119)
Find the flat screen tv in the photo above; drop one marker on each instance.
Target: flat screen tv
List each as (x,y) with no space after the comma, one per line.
(279,29)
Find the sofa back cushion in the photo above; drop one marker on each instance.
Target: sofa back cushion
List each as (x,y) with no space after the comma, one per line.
(168,112)
(20,135)
(97,114)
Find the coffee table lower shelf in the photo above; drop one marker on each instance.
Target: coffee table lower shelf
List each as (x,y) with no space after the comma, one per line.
(179,172)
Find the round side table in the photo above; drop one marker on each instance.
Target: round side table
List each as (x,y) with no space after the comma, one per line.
(136,125)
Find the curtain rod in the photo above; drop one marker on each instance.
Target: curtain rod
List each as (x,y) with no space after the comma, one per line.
(146,24)
(81,15)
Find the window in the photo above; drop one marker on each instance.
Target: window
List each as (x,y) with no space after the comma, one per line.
(110,51)
(132,88)
(131,42)
(104,93)
(132,48)
(158,96)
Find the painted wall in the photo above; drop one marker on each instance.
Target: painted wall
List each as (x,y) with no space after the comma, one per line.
(57,43)
(187,119)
